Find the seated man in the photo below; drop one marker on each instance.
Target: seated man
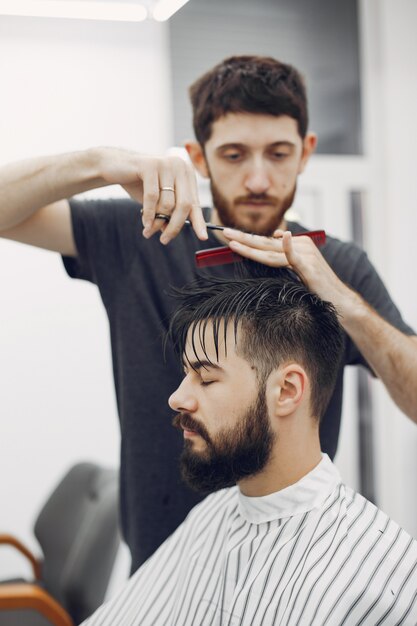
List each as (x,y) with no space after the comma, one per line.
(282,540)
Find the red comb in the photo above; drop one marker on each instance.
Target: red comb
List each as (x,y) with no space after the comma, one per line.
(216,256)
(224,255)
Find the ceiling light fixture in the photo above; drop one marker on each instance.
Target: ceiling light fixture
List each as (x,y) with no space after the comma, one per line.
(76,9)
(164,9)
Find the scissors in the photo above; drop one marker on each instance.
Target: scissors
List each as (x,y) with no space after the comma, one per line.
(223,255)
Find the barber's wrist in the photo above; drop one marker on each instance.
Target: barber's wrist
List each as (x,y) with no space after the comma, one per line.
(113,166)
(353,311)
(96,162)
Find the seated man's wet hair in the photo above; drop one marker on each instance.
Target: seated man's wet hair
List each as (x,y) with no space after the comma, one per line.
(275,320)
(248,84)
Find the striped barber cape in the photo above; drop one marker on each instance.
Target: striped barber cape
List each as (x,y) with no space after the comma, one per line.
(314,553)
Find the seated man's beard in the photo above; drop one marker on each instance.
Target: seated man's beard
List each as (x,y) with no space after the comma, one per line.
(231,455)
(230,217)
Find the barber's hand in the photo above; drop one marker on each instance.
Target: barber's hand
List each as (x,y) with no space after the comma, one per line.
(162,185)
(299,254)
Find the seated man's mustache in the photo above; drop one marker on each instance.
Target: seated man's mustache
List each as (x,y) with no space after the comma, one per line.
(185,421)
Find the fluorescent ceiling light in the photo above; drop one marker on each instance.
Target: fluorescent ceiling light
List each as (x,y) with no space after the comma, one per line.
(76,9)
(165,8)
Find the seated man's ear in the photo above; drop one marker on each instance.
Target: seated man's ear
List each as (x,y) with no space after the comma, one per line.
(286,389)
(198,159)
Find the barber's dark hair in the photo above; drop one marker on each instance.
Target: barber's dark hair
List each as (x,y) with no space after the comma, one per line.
(248,84)
(275,320)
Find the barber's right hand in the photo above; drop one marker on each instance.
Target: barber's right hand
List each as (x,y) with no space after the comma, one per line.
(162,185)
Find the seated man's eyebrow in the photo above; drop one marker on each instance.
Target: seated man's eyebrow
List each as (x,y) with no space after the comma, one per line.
(204,364)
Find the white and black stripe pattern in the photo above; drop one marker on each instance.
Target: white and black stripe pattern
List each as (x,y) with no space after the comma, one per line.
(315,553)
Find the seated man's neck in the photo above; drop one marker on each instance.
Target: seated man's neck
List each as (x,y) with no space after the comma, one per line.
(292,458)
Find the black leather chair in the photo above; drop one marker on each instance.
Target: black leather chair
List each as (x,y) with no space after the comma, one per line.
(77,530)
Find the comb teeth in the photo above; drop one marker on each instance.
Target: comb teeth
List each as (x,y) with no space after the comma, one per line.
(216,256)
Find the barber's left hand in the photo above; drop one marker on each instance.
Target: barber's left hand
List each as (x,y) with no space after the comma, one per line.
(298,253)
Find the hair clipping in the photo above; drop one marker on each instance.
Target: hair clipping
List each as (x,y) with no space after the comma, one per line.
(224,255)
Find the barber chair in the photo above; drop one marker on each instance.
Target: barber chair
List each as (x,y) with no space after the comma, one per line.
(77,530)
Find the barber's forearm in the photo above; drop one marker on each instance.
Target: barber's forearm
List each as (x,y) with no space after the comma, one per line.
(391,354)
(28,185)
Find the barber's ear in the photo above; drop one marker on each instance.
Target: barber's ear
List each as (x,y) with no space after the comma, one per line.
(309,145)
(287,387)
(196,154)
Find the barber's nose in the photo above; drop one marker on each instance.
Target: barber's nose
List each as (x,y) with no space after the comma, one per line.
(183,399)
(257,180)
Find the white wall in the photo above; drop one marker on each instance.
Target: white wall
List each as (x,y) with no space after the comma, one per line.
(395,221)
(64,85)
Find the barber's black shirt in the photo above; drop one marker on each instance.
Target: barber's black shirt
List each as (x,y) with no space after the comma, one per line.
(133,275)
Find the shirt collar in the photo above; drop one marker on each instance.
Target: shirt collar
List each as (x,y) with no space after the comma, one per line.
(303,496)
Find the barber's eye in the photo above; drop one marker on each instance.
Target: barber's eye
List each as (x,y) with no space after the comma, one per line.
(232,156)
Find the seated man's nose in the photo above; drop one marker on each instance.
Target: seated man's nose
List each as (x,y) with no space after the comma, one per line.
(173,401)
(179,401)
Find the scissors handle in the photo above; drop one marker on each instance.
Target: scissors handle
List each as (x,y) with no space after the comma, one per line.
(166,218)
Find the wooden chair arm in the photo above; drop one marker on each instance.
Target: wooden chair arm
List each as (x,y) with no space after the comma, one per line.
(12,541)
(26,596)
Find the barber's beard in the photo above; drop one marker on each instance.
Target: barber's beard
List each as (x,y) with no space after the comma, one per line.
(232,454)
(228,212)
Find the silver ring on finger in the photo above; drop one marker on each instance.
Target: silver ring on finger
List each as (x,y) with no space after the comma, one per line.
(167,188)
